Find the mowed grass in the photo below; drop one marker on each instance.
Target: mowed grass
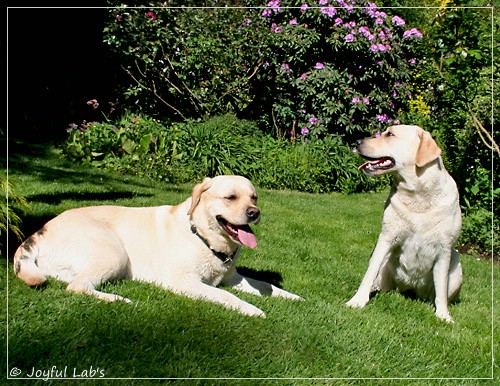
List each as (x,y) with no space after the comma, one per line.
(316,246)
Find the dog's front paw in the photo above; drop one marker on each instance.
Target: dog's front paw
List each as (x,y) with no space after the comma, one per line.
(251,310)
(289,295)
(444,315)
(357,302)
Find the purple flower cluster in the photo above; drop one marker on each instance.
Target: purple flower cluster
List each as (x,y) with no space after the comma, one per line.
(93,103)
(358,101)
(285,68)
(314,121)
(384,118)
(412,33)
(276,28)
(398,21)
(365,31)
(329,10)
(274,5)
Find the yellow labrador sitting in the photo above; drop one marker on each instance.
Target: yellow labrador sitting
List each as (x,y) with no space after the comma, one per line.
(421,223)
(189,248)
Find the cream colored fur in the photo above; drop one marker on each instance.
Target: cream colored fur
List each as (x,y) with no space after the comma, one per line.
(87,247)
(421,222)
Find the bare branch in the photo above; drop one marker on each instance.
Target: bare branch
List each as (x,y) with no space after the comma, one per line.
(152,90)
(489,142)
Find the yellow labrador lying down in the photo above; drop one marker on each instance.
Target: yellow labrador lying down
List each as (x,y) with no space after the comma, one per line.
(421,220)
(189,248)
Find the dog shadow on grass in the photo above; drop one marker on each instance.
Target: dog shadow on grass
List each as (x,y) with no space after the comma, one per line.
(271,277)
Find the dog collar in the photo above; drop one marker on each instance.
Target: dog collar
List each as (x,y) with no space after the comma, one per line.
(225,258)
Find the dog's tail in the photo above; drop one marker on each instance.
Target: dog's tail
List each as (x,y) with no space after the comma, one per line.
(25,262)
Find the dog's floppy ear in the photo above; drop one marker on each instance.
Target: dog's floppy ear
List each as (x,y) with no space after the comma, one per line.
(197,192)
(428,150)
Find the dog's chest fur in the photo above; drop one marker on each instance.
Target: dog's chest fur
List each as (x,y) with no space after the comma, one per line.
(431,226)
(212,270)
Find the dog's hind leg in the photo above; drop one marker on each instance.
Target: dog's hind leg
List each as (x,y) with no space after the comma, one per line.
(105,261)
(455,277)
(85,284)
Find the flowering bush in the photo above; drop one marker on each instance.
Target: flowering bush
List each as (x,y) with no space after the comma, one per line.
(341,66)
(302,68)
(187,62)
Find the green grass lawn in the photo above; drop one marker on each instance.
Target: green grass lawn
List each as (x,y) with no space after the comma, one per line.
(316,246)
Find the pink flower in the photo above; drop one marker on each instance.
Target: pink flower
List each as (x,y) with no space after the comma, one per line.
(314,120)
(293,22)
(275,28)
(319,66)
(274,4)
(366,100)
(364,30)
(383,118)
(150,15)
(304,131)
(304,7)
(266,12)
(412,33)
(330,11)
(356,100)
(338,21)
(304,76)
(349,38)
(93,103)
(398,21)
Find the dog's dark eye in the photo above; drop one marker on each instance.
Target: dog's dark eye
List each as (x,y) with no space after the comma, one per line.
(231,197)
(389,134)
(254,198)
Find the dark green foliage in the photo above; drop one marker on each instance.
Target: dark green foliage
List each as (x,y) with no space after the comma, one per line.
(183,152)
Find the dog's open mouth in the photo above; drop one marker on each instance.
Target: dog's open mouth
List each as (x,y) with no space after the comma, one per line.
(241,234)
(377,164)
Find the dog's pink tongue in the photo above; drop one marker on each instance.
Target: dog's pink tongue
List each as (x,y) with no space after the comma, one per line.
(361,167)
(247,237)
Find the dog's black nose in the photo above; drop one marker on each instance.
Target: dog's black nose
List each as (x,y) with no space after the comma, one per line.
(253,213)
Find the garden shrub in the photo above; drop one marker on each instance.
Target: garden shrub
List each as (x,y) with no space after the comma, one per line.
(296,67)
(186,62)
(190,151)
